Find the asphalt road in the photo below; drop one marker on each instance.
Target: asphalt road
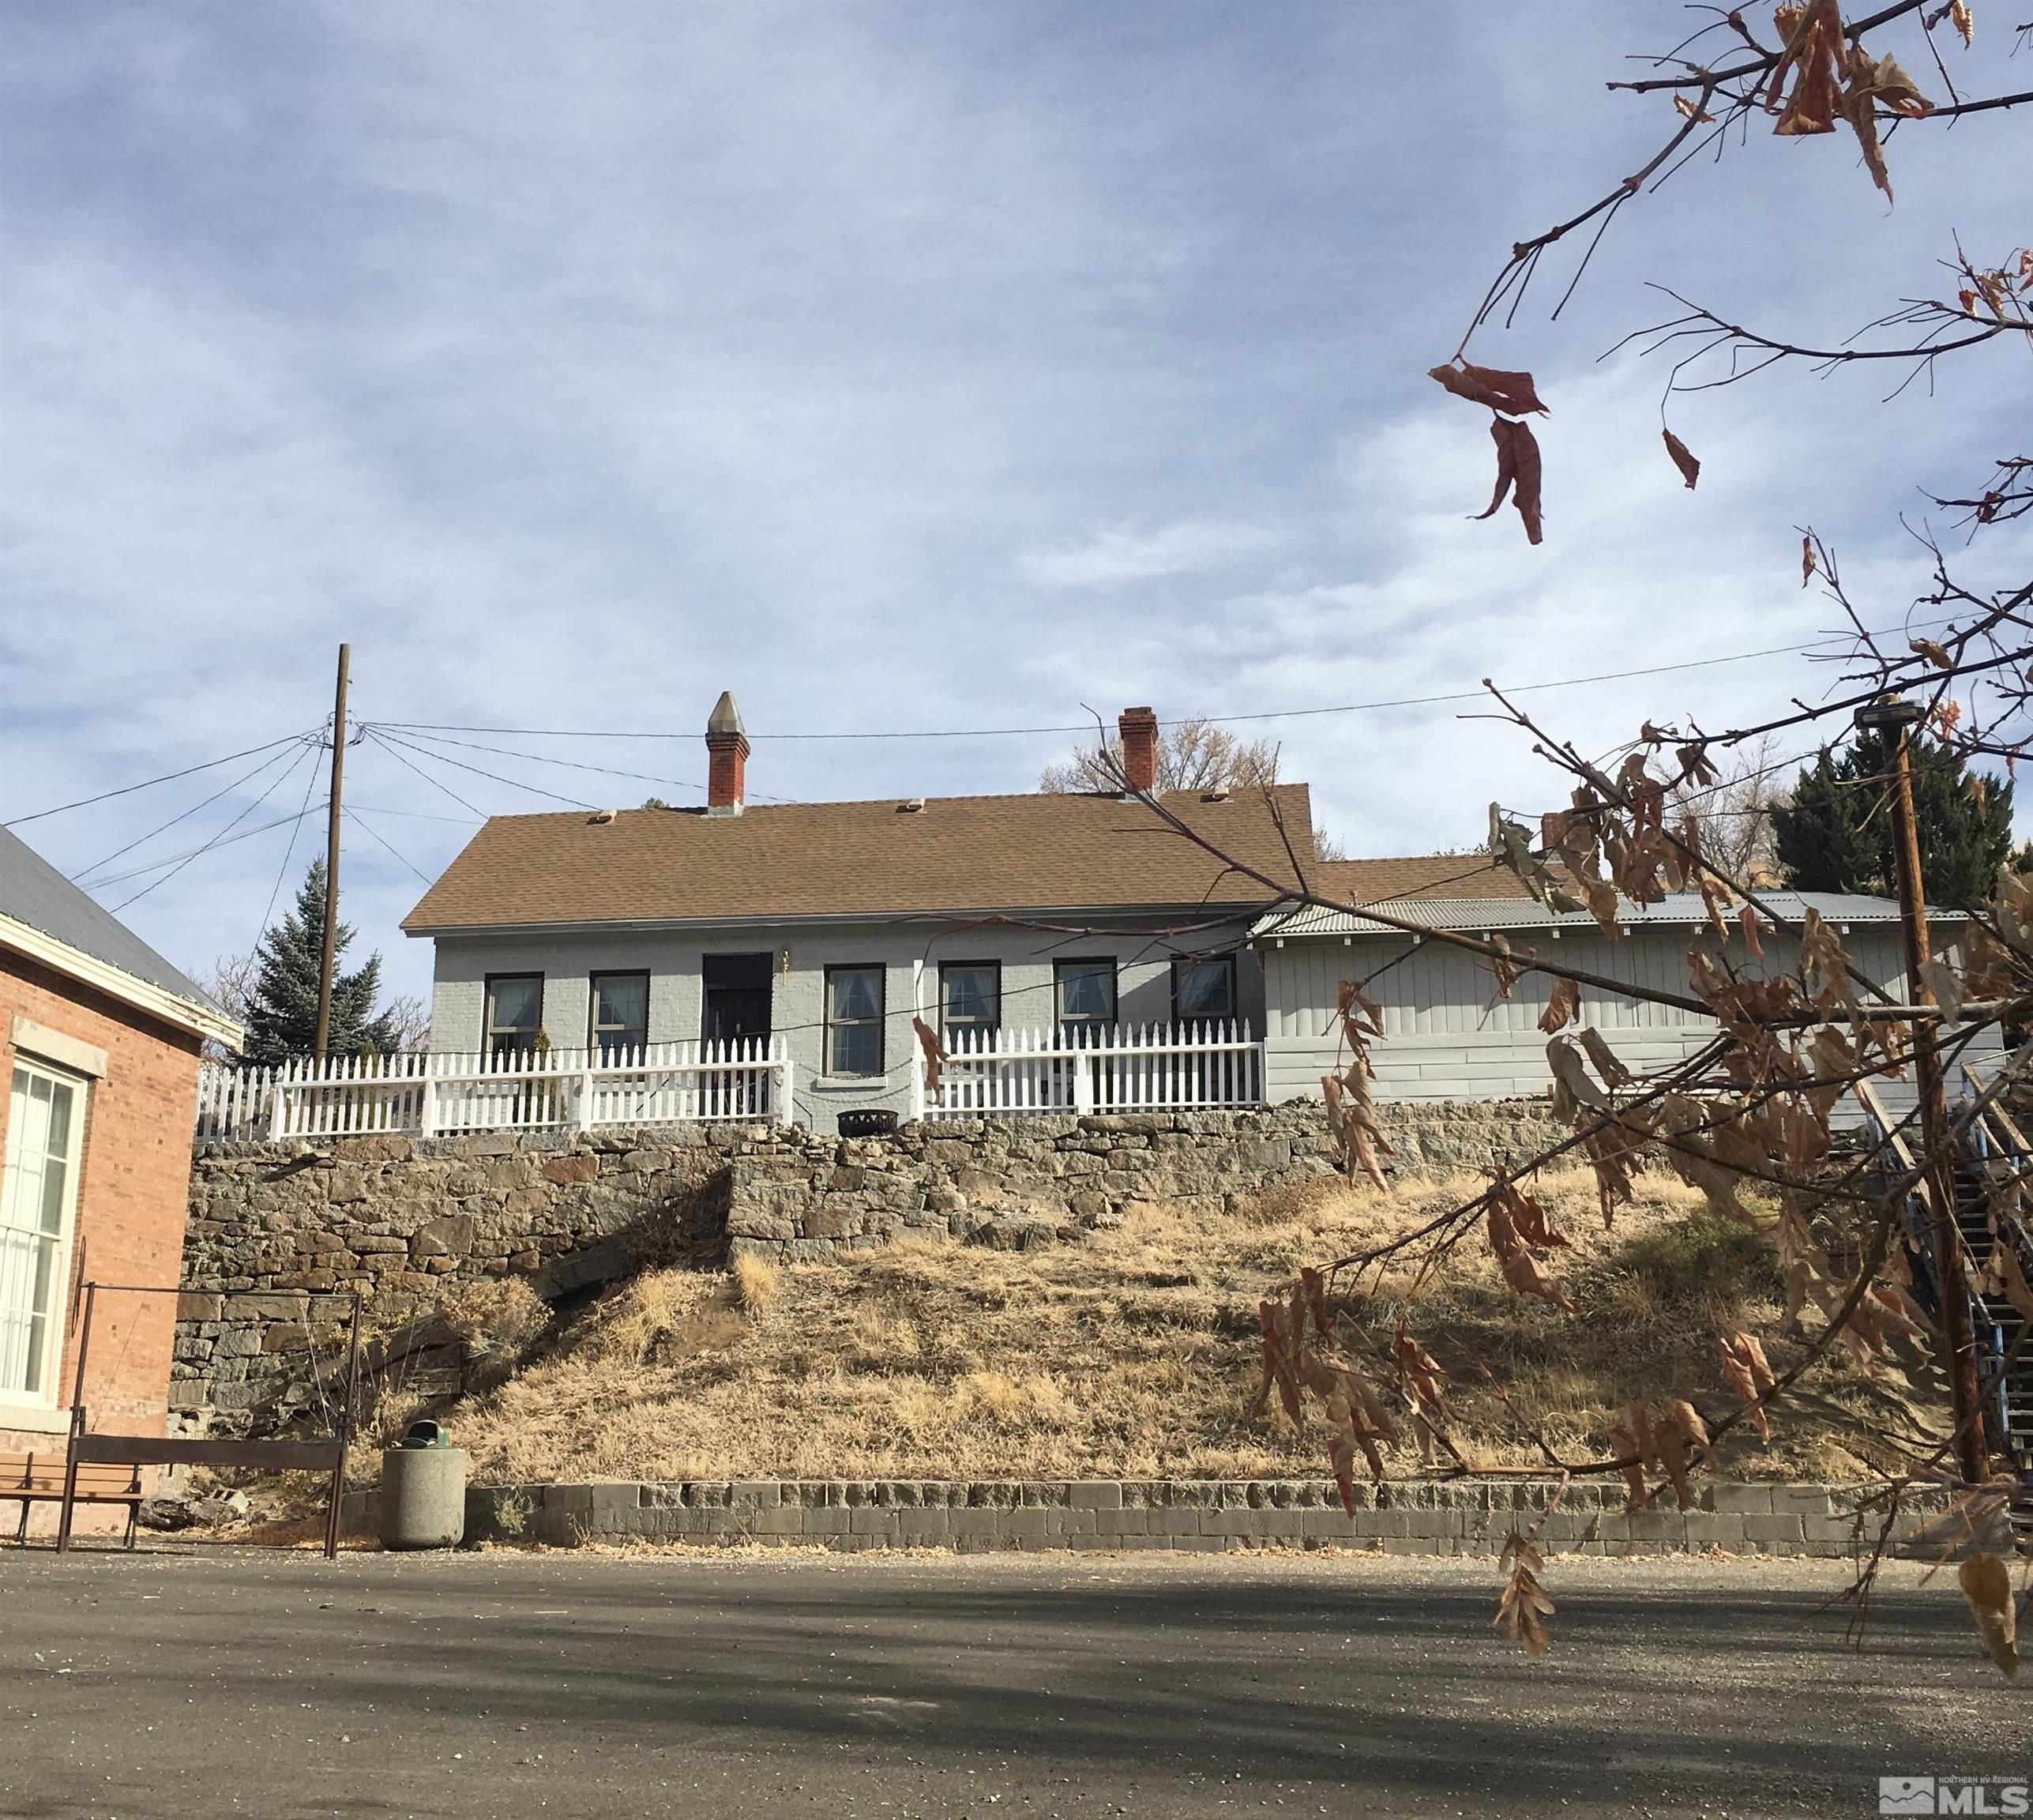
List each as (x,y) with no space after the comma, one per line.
(280,1685)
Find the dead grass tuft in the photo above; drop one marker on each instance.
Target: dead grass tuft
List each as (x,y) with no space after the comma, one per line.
(755,1281)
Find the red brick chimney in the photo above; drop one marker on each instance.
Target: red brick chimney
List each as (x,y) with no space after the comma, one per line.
(727,759)
(1139,727)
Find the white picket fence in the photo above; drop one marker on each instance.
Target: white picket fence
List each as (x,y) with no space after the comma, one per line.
(557,1090)
(1142,1068)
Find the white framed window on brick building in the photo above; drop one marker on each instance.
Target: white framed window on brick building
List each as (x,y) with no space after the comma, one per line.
(38,1203)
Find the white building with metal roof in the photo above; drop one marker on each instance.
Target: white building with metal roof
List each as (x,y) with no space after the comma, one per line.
(1449,1034)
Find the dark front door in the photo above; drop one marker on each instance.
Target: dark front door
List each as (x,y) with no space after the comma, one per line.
(737,1009)
(737,996)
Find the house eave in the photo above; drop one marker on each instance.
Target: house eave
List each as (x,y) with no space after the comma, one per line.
(116,983)
(1057,913)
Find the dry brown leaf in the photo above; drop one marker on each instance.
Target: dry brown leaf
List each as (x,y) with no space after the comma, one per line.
(1632,1439)
(1986,1584)
(1959,16)
(935,1052)
(1806,561)
(1521,1270)
(1523,1606)
(1747,920)
(1490,386)
(1683,459)
(1563,1007)
(1680,1438)
(1747,1372)
(1692,110)
(1875,82)
(1614,1073)
(1814,55)
(1517,466)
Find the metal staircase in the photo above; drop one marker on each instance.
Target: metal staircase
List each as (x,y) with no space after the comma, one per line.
(1993,1179)
(1993,1183)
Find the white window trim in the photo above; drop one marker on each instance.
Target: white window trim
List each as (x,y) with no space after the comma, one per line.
(48,1401)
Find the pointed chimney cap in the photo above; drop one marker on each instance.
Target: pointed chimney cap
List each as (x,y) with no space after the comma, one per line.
(726,716)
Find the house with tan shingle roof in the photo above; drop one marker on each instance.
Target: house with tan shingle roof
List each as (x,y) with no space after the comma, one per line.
(823,929)
(820,933)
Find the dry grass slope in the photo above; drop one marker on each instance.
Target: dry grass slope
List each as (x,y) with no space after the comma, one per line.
(1134,1353)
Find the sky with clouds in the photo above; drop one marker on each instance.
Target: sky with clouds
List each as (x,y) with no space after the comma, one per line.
(903,368)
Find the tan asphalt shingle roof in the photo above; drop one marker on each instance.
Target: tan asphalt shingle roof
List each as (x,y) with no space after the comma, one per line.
(958,853)
(1425,875)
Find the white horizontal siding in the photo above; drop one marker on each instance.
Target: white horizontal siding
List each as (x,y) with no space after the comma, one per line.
(1444,1039)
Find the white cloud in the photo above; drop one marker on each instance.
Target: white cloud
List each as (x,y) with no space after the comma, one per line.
(1124,552)
(577,362)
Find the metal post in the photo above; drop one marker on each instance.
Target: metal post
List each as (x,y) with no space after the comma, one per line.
(338,1490)
(1894,721)
(330,958)
(77,1423)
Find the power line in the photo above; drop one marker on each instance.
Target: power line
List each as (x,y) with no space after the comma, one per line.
(424,727)
(289,853)
(373,835)
(414,815)
(150,783)
(389,747)
(513,782)
(79,877)
(567,764)
(222,840)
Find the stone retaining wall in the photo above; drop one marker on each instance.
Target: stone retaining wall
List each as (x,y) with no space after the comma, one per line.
(399,1220)
(1469,1517)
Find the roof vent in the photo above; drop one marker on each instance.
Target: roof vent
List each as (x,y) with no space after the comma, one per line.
(913,805)
(1214,795)
(600,817)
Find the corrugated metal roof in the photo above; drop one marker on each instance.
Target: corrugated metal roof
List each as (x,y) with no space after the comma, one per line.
(34,892)
(1477,914)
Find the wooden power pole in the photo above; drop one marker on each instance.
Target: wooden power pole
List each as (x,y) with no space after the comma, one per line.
(1894,721)
(330,958)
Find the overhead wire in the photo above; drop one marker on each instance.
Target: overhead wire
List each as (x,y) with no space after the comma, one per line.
(150,783)
(424,726)
(382,735)
(373,835)
(436,739)
(222,840)
(289,852)
(79,878)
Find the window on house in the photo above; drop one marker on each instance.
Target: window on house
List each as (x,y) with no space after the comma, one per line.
(515,1013)
(971,997)
(854,1020)
(1085,992)
(1203,991)
(45,1121)
(621,1012)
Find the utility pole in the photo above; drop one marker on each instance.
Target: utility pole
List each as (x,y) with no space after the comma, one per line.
(330,957)
(1893,721)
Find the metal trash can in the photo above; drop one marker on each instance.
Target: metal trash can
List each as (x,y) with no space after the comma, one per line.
(423,1490)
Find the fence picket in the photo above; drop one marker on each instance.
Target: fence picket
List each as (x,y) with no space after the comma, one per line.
(1143,1067)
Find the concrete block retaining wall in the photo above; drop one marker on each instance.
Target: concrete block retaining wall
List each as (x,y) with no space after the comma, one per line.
(1452,1517)
(401,1221)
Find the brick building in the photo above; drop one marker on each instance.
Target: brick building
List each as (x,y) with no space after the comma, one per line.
(99,1043)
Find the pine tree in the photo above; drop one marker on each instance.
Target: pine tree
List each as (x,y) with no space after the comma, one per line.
(282,1008)
(1835,835)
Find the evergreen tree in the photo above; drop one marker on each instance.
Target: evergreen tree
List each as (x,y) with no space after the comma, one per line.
(1835,835)
(282,1008)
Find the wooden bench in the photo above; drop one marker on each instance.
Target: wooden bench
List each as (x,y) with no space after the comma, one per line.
(39,1479)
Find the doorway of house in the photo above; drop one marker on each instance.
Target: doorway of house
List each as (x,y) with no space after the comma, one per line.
(737,1011)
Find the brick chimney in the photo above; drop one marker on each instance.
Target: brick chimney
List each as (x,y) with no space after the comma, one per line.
(727,758)
(1139,727)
